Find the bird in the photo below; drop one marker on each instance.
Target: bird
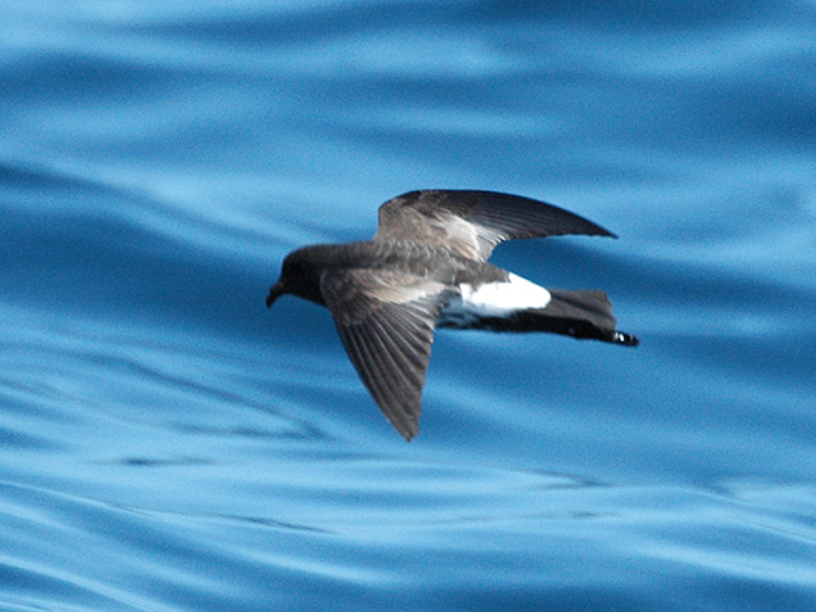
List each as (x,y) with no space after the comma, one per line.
(427,267)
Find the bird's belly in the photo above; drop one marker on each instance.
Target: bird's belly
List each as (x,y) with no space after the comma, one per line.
(498,300)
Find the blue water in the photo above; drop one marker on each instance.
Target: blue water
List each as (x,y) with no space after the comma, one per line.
(166,443)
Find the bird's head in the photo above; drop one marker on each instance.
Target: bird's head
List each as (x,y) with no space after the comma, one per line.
(299,276)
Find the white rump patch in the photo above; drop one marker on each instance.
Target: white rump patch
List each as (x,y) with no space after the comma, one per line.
(498,299)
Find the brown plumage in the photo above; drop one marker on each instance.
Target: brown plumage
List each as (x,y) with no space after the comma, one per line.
(426,266)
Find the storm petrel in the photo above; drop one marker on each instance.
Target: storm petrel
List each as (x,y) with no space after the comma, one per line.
(427,267)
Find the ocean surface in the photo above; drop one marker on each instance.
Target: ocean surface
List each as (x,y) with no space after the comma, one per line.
(169,444)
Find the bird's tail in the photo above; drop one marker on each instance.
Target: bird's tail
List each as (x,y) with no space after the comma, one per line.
(580,314)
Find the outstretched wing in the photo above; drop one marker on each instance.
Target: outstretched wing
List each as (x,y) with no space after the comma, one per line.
(386,321)
(472,223)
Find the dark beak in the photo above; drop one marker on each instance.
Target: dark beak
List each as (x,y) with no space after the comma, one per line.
(275,292)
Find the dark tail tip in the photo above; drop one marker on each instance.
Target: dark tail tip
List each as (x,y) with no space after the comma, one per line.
(619,337)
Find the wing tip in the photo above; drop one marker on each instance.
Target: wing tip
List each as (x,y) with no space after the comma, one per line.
(408,433)
(406,423)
